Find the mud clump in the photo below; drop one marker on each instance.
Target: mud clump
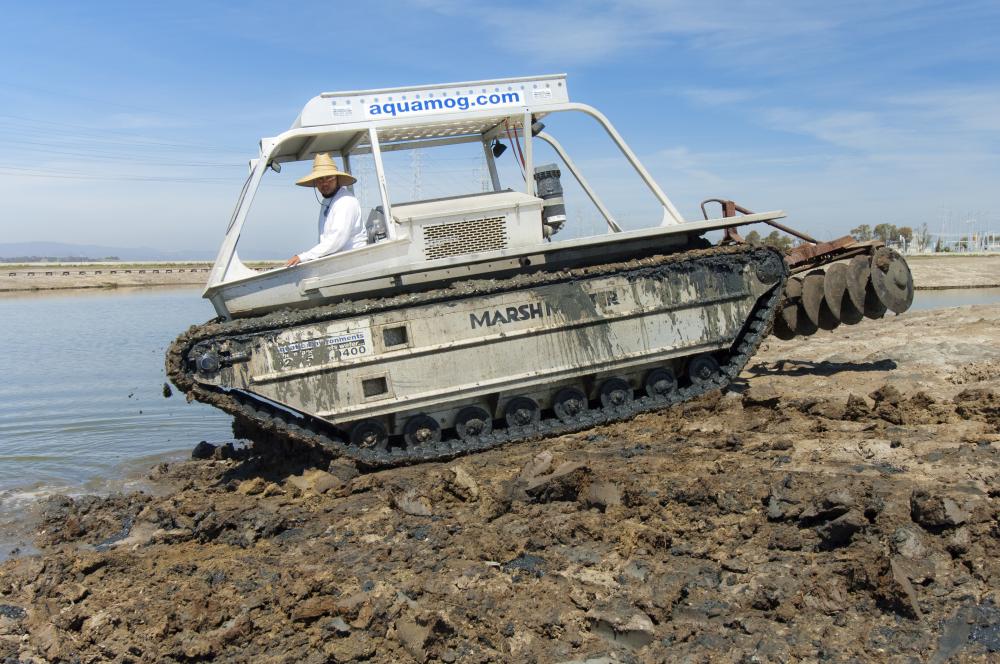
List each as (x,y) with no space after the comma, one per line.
(768,526)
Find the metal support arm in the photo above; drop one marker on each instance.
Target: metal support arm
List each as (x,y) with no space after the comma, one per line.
(612,224)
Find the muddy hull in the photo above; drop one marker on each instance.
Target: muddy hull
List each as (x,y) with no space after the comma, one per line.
(617,338)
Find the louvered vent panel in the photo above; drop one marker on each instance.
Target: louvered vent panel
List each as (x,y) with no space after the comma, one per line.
(465,237)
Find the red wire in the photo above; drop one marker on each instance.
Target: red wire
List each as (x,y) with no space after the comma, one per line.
(517,145)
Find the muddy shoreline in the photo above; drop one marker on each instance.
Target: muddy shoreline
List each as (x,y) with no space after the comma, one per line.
(941,272)
(840,503)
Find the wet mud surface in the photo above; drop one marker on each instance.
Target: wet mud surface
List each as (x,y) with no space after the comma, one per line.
(839,503)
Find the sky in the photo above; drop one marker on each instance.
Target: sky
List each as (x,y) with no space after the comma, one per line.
(131,124)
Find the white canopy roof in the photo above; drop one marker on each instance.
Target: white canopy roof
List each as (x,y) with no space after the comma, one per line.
(335,121)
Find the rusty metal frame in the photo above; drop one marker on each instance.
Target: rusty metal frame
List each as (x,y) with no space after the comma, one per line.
(801,258)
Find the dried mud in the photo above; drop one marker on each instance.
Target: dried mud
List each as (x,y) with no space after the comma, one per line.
(839,504)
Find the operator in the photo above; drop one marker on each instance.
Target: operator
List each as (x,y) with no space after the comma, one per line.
(340,226)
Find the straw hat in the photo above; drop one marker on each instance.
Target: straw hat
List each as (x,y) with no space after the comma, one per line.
(323,166)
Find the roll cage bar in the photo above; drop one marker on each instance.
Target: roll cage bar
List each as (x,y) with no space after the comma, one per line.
(357,138)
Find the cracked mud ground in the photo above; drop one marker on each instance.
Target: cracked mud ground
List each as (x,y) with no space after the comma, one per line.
(840,503)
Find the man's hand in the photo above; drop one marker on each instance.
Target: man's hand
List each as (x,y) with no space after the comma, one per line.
(294,260)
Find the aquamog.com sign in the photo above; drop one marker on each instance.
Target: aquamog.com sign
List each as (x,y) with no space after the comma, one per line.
(438,104)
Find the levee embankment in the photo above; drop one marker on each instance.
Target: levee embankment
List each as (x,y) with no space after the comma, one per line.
(55,276)
(932,272)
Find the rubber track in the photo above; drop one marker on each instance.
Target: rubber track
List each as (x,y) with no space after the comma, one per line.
(278,425)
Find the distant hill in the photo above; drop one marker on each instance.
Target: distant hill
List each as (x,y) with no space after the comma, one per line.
(11,251)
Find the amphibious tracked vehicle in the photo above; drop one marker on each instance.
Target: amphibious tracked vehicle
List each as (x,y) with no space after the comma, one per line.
(466,322)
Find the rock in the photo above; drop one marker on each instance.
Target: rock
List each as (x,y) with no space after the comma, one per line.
(601,495)
(890,413)
(12,612)
(761,396)
(537,466)
(413,637)
(339,626)
(73,592)
(272,489)
(313,608)
(936,512)
(316,481)
(776,508)
(414,503)
(252,487)
(199,648)
(167,392)
(736,565)
(840,531)
(637,570)
(203,450)
(460,483)
(906,543)
(49,641)
(491,506)
(767,597)
(894,590)
(828,408)
(563,483)
(223,452)
(786,538)
(526,563)
(958,543)
(357,647)
(830,506)
(623,624)
(327,482)
(856,409)
(887,394)
(343,469)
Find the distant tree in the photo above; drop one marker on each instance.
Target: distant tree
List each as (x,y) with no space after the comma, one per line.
(906,233)
(923,237)
(753,237)
(938,246)
(778,240)
(886,232)
(862,233)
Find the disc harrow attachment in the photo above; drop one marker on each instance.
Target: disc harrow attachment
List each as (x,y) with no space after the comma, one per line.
(844,293)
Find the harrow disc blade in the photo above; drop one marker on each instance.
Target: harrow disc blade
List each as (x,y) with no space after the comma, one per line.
(874,307)
(827,321)
(793,288)
(789,315)
(850,314)
(835,288)
(812,295)
(804,326)
(857,280)
(781,328)
(790,307)
(892,280)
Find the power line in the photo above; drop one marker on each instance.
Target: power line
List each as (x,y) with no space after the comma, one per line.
(28,173)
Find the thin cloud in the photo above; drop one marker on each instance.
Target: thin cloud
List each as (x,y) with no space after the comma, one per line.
(718,96)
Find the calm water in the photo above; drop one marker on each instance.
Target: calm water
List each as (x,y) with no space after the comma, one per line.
(954,297)
(81,379)
(81,374)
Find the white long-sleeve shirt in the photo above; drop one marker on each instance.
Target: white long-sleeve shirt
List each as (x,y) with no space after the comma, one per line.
(340,226)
